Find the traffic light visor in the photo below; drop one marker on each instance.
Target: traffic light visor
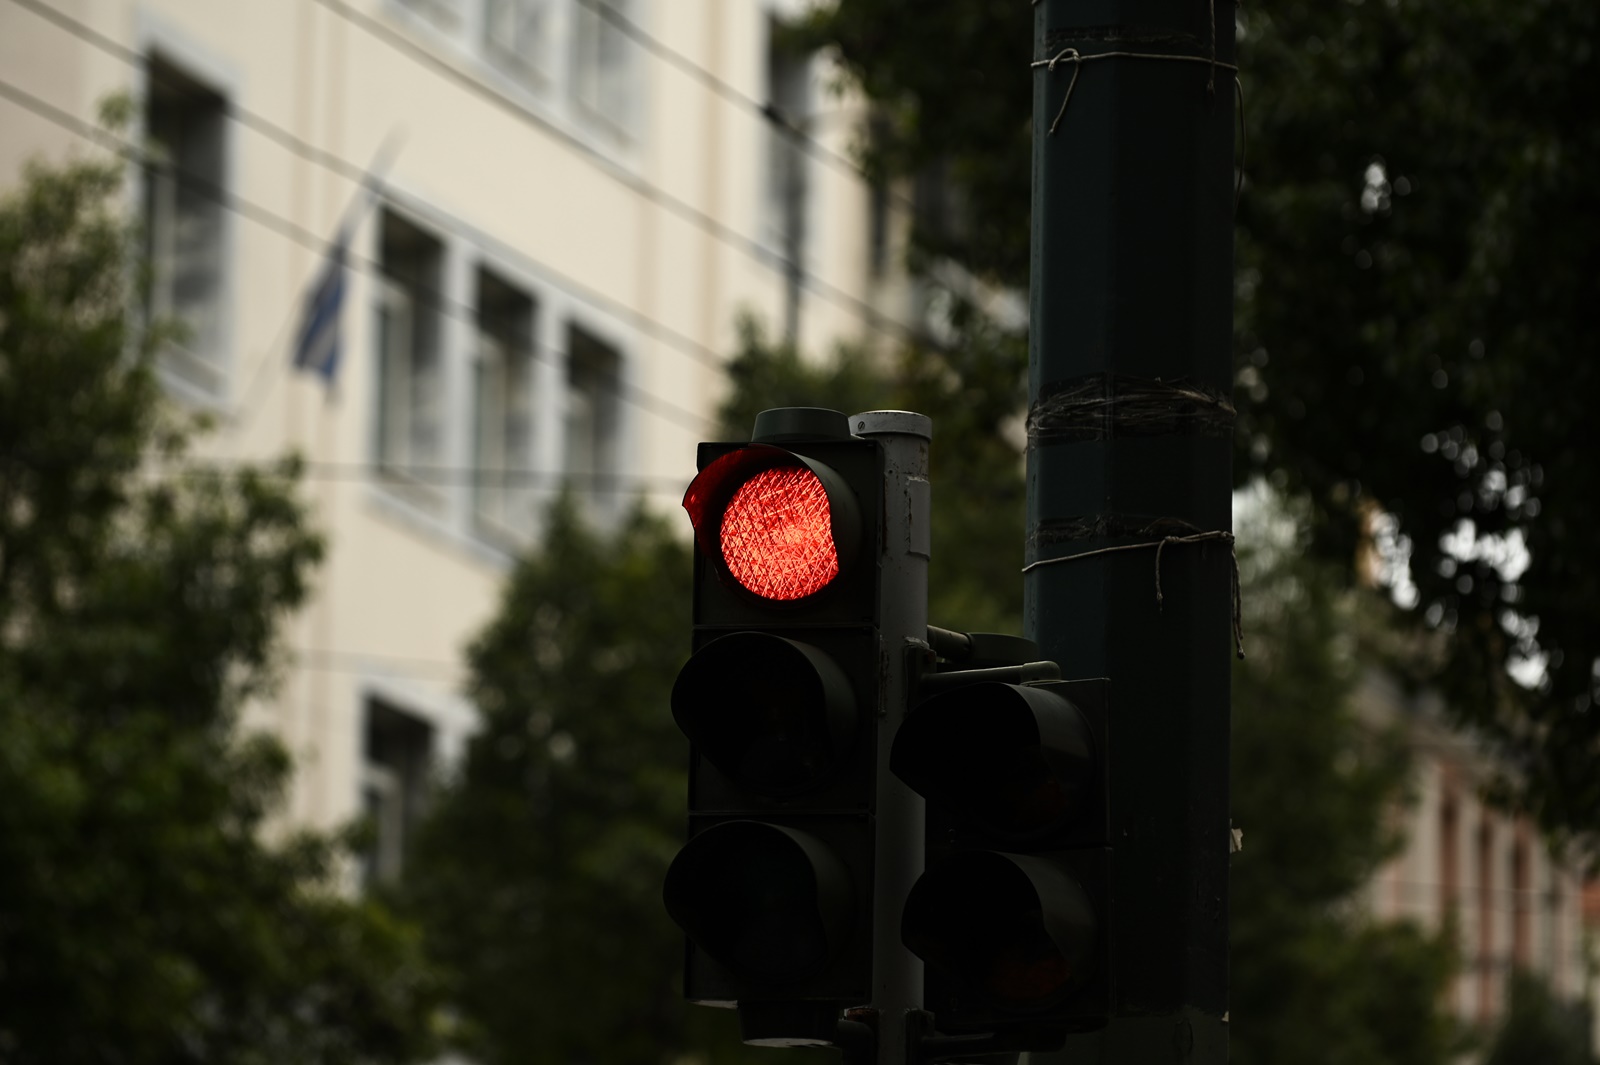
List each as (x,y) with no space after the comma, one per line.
(775,716)
(1014,760)
(777,524)
(768,902)
(1017,932)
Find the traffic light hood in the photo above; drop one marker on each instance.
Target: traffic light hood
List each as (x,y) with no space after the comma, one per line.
(1014,760)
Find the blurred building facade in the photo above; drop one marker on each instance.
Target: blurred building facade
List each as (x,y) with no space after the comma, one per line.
(552,214)
(1490,877)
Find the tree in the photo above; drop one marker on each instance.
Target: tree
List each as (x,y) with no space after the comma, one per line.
(142,916)
(1540,1029)
(1416,288)
(1417,263)
(539,872)
(1313,791)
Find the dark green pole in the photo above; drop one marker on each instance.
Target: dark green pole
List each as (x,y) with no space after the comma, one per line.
(1129,447)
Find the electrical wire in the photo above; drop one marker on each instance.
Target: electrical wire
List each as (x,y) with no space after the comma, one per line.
(274,222)
(293,231)
(354,172)
(768,111)
(509,477)
(757,251)
(361,662)
(750,247)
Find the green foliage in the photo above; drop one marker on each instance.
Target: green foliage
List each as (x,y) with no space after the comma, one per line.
(1418,344)
(1313,789)
(1540,1029)
(1417,267)
(142,918)
(954,97)
(539,873)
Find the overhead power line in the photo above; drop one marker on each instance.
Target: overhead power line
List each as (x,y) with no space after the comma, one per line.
(293,231)
(749,246)
(357,174)
(766,110)
(592,482)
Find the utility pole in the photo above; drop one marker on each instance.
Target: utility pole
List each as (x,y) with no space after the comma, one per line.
(1131,574)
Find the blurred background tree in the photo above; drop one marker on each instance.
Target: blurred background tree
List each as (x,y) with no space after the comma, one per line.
(143,915)
(1540,1029)
(1417,269)
(1315,791)
(538,873)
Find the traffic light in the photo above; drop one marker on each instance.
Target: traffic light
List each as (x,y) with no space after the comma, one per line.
(780,700)
(1012,914)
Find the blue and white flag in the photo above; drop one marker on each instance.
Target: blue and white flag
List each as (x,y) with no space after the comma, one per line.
(318,343)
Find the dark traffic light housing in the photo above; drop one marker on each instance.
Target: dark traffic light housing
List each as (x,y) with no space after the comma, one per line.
(1011,916)
(774,886)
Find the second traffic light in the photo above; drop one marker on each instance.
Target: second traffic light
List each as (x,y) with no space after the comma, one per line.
(1012,914)
(779,701)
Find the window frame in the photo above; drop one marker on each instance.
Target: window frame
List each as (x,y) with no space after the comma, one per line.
(199,369)
(504,342)
(399,753)
(412,394)
(554,84)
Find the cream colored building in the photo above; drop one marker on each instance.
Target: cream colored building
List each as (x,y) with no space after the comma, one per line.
(576,201)
(1513,904)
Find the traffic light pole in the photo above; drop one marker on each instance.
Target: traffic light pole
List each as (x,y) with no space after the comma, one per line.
(1131,575)
(896,972)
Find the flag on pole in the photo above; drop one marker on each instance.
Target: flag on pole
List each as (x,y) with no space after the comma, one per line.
(318,343)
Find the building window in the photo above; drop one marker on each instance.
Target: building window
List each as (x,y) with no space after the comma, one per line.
(410,366)
(788,179)
(601,63)
(503,409)
(394,780)
(1486,919)
(446,14)
(184,180)
(1449,867)
(592,423)
(1521,894)
(878,204)
(517,36)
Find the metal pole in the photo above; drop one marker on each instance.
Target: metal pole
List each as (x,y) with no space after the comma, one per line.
(1129,443)
(903,585)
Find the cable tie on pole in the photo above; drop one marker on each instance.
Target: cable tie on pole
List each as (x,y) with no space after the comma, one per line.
(1077,59)
(1160,545)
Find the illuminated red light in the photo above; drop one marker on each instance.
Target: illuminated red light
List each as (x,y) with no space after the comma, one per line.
(777,534)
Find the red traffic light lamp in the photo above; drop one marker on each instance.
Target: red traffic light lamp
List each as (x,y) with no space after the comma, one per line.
(778,525)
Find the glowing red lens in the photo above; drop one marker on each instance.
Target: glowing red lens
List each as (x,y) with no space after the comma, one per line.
(777,534)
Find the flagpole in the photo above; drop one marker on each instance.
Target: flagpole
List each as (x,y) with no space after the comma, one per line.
(366,195)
